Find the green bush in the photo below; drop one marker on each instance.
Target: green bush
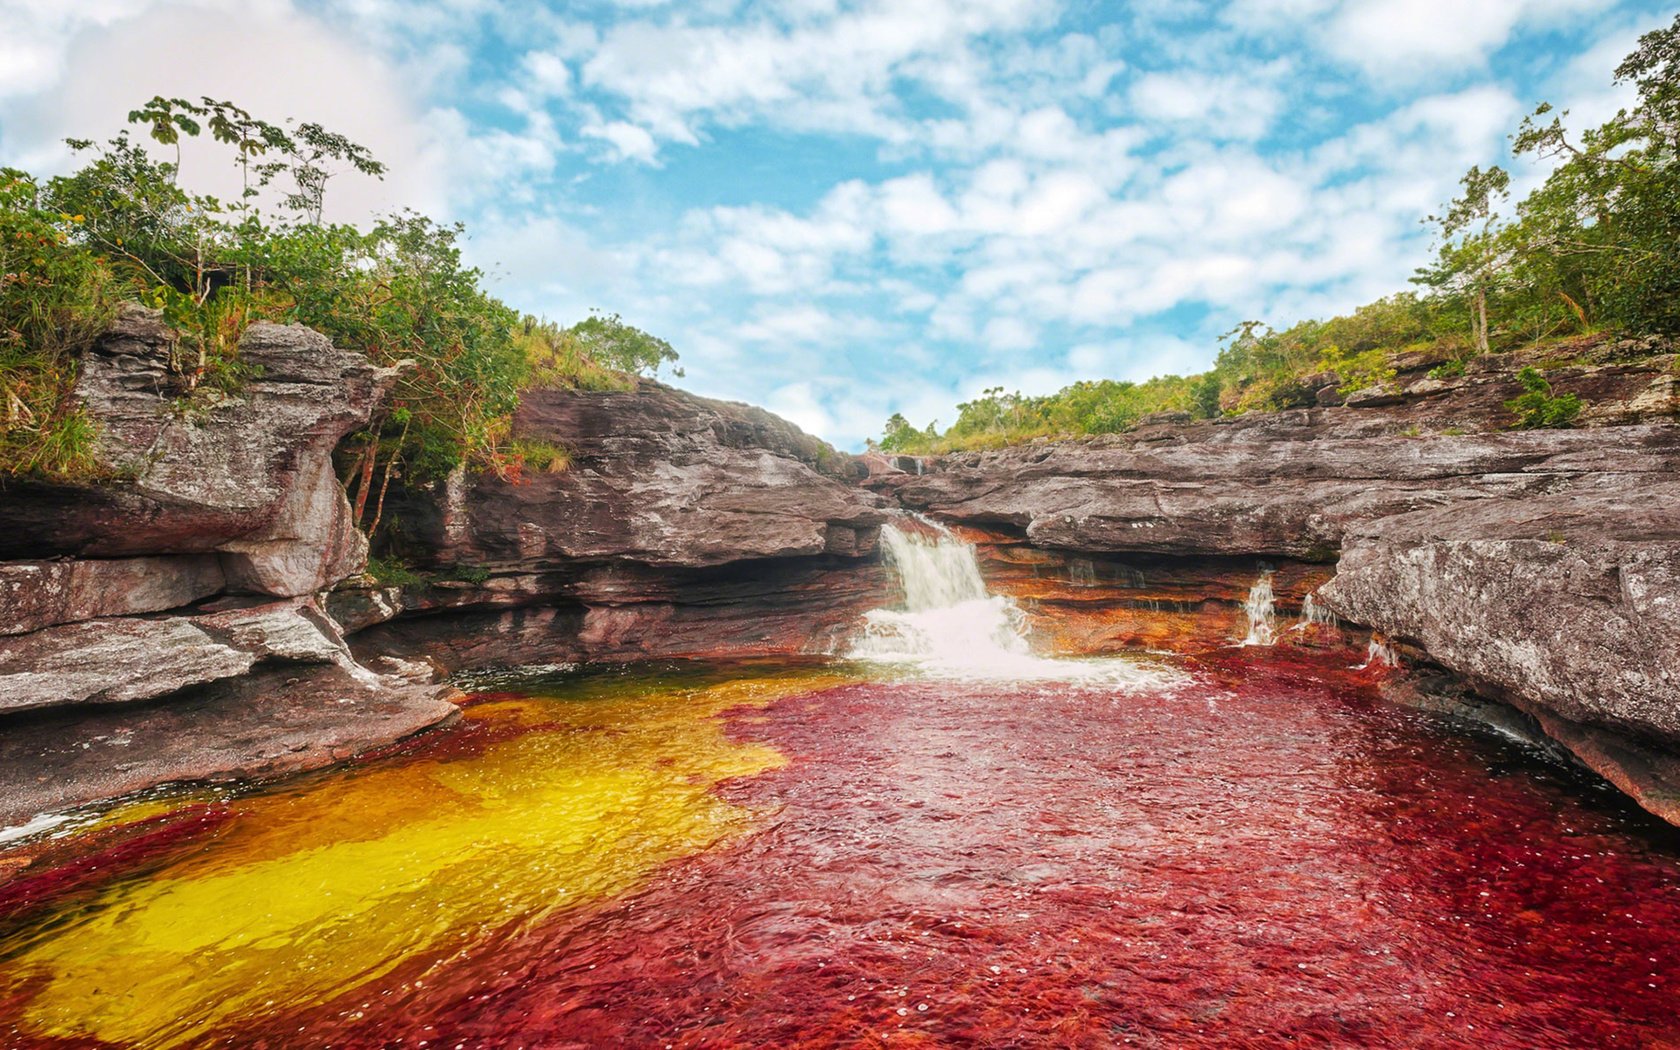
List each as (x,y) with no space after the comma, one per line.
(1536,407)
(122,228)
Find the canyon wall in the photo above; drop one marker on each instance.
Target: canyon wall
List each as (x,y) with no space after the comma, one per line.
(679,527)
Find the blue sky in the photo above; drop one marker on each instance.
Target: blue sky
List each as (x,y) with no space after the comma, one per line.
(841,210)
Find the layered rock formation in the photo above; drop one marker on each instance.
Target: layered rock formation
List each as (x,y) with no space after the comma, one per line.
(187,617)
(1539,568)
(187,580)
(680,526)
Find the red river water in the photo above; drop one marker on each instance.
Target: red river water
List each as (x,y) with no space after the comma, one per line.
(1253,851)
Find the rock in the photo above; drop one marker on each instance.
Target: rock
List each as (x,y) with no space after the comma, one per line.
(680,527)
(41,594)
(269,724)
(139,658)
(1409,361)
(1169,418)
(1285,485)
(656,476)
(1373,397)
(1567,603)
(248,475)
(1329,396)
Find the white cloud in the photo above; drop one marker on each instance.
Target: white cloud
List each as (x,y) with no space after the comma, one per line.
(1228,106)
(629,142)
(1412,39)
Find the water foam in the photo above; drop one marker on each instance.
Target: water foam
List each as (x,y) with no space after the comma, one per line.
(951,626)
(1261,610)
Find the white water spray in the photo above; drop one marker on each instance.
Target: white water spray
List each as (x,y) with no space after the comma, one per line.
(952,626)
(1260,608)
(1314,614)
(1379,654)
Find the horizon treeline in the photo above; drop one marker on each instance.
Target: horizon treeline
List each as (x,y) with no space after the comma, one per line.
(1596,248)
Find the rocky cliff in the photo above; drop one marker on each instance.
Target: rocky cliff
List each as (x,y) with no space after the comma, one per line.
(679,526)
(163,622)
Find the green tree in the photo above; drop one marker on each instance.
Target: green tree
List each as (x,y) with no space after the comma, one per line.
(607,339)
(1472,246)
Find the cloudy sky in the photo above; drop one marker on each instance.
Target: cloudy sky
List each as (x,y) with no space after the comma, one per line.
(841,210)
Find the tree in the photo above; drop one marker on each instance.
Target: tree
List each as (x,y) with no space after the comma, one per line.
(899,435)
(1472,246)
(610,341)
(1606,223)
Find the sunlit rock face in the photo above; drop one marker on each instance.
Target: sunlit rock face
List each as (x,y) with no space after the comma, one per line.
(679,526)
(1566,606)
(164,624)
(247,476)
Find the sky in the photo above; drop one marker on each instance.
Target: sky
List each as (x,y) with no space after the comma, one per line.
(844,210)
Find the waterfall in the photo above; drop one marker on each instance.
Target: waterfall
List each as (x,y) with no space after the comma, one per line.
(951,625)
(1314,614)
(1379,653)
(1262,616)
(949,618)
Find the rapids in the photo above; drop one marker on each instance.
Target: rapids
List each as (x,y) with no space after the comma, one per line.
(1251,849)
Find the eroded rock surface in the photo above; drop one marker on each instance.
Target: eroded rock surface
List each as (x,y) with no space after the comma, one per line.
(162,624)
(680,526)
(248,476)
(275,722)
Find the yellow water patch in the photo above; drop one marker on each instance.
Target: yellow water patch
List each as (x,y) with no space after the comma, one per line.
(319,888)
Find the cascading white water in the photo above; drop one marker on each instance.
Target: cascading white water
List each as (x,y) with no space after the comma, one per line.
(952,626)
(1314,614)
(949,618)
(1261,612)
(1379,653)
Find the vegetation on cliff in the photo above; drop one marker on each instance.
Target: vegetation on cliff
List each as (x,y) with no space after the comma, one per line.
(1595,249)
(124,228)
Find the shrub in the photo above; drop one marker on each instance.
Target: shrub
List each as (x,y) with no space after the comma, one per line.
(1536,407)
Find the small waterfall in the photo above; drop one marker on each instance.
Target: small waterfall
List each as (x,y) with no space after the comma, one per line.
(951,626)
(1379,653)
(949,618)
(1314,614)
(1261,612)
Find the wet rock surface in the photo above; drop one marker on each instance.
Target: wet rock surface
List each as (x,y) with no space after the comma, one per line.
(273,723)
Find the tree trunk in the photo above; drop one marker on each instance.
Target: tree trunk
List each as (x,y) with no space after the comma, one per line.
(365,482)
(1481,321)
(385,483)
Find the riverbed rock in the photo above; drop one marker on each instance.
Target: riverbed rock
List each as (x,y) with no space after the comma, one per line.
(276,722)
(1566,606)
